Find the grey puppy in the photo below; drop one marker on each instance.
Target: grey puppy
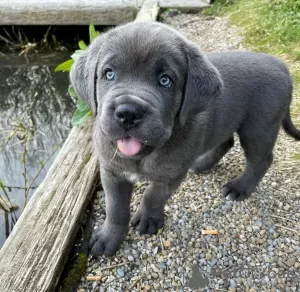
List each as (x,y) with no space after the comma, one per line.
(167,108)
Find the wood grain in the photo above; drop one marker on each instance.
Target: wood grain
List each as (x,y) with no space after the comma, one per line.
(66,12)
(82,12)
(34,254)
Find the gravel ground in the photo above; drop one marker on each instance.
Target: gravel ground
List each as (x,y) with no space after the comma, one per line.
(258,248)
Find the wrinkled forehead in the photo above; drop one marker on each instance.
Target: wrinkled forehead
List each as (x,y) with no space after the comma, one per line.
(147,45)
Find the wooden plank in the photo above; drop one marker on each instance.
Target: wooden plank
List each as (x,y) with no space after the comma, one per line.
(176,4)
(34,254)
(65,12)
(82,12)
(184,5)
(149,11)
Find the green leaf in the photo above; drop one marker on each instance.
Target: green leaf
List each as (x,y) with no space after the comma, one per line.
(82,112)
(72,92)
(76,54)
(81,105)
(93,33)
(65,66)
(82,45)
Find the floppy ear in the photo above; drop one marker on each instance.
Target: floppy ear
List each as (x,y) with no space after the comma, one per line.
(83,74)
(203,84)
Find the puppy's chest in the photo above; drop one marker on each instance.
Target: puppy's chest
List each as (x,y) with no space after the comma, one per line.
(138,174)
(133,177)
(142,171)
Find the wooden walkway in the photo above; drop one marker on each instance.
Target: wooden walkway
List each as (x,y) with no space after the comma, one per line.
(81,12)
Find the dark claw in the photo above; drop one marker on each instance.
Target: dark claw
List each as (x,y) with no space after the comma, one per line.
(106,240)
(146,224)
(235,193)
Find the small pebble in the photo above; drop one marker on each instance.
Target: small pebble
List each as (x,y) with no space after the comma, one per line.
(167,244)
(121,272)
(130,258)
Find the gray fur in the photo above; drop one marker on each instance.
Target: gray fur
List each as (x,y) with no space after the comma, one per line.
(189,125)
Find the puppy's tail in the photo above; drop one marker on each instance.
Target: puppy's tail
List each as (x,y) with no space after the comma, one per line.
(289,127)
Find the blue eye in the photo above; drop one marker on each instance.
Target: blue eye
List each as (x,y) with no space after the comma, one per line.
(109,75)
(165,81)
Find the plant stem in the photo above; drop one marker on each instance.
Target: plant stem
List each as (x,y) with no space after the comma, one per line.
(25,169)
(39,171)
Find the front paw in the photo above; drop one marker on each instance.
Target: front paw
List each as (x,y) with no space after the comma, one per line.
(146,222)
(235,192)
(107,239)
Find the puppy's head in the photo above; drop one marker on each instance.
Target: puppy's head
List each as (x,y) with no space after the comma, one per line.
(140,79)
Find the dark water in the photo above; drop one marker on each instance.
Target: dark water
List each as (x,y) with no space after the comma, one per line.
(33,97)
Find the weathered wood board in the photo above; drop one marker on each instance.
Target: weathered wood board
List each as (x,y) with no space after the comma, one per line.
(184,5)
(82,12)
(65,12)
(34,255)
(149,11)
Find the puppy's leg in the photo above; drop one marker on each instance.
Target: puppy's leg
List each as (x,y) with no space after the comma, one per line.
(150,215)
(208,160)
(108,238)
(258,145)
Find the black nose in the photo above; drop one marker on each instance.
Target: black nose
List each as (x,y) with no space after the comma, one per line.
(129,115)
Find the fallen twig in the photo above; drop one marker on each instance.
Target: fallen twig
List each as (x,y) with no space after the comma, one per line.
(114,266)
(210,232)
(94,278)
(284,218)
(133,284)
(99,277)
(290,229)
(161,243)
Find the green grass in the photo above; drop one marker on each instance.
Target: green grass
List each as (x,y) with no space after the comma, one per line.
(270,26)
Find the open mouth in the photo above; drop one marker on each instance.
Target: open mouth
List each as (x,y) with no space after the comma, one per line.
(129,146)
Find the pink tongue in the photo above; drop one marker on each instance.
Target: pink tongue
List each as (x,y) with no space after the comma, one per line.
(129,146)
